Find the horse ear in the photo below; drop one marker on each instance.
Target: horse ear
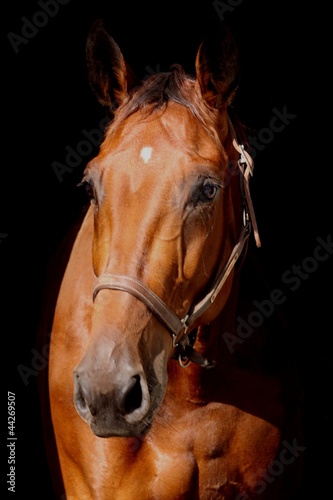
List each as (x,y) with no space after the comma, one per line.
(217,68)
(109,76)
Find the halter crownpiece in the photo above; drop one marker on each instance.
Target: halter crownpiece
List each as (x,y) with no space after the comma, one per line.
(178,327)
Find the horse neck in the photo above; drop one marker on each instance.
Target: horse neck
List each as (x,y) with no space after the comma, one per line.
(258,350)
(191,382)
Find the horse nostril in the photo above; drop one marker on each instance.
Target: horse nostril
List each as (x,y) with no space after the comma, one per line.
(133,397)
(80,401)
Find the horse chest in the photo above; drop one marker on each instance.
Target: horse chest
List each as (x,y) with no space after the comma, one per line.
(169,473)
(200,456)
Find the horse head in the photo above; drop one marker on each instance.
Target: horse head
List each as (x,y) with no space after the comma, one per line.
(167,209)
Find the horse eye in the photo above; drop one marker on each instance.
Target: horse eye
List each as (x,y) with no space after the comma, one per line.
(208,192)
(89,190)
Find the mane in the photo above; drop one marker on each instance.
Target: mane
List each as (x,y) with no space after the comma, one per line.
(158,90)
(175,85)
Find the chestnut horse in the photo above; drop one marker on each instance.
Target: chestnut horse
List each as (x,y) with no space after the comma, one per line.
(159,387)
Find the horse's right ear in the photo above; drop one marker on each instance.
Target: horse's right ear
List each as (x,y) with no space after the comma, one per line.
(217,68)
(109,76)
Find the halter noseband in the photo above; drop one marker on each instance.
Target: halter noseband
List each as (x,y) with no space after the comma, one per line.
(178,327)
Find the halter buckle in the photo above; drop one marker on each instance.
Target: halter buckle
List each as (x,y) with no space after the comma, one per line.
(176,338)
(185,325)
(243,160)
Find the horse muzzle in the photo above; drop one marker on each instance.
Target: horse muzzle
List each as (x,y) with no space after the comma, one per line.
(123,407)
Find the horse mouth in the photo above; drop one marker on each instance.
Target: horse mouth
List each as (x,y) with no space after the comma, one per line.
(121,428)
(109,425)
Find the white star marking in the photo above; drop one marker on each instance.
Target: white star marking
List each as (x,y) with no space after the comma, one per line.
(146,153)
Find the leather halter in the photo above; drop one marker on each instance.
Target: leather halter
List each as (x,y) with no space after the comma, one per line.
(178,327)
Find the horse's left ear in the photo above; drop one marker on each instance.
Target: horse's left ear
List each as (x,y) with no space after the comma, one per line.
(217,68)
(109,76)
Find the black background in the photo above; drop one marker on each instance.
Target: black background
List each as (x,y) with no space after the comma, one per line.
(46,105)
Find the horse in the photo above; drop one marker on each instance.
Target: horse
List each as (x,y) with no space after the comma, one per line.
(166,380)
